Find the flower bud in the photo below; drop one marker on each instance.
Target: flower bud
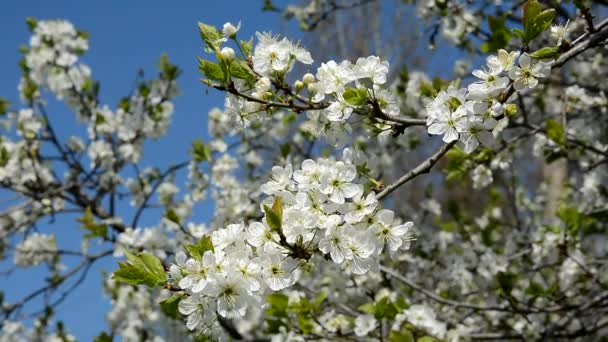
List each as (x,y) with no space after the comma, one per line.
(227,53)
(511,109)
(299,85)
(308,78)
(230,31)
(268,96)
(263,85)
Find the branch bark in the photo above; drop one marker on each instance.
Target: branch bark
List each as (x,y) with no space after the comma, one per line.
(424,167)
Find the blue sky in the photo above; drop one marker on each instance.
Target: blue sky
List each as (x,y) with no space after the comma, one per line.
(124,37)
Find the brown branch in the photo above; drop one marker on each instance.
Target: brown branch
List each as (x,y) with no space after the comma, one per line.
(424,167)
(583,43)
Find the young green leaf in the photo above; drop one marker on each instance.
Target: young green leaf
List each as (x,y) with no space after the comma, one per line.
(285,149)
(247,46)
(273,218)
(169,306)
(198,249)
(541,22)
(277,207)
(531,9)
(403,335)
(103,337)
(4,106)
(141,269)
(277,304)
(546,52)
(172,216)
(210,35)
(241,70)
(200,152)
(211,70)
(355,96)
(88,223)
(556,132)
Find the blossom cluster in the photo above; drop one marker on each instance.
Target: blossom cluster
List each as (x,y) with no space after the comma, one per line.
(35,249)
(114,136)
(476,114)
(51,61)
(322,209)
(330,96)
(471,115)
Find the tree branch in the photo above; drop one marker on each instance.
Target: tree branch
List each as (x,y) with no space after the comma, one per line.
(594,39)
(423,167)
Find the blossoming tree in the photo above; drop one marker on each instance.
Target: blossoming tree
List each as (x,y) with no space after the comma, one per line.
(312,236)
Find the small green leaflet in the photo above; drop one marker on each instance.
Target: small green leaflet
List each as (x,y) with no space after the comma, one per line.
(355,96)
(200,151)
(141,269)
(198,249)
(169,306)
(274,215)
(88,223)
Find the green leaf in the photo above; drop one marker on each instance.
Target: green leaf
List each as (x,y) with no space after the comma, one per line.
(546,52)
(241,70)
(316,304)
(553,155)
(200,152)
(500,36)
(519,33)
(4,106)
(171,215)
(305,324)
(210,35)
(403,335)
(277,207)
(247,46)
(368,308)
(169,306)
(153,266)
(601,214)
(30,89)
(385,309)
(581,4)
(32,23)
(535,289)
(401,304)
(285,149)
(274,222)
(274,215)
(506,281)
(355,96)
(535,20)
(4,156)
(224,65)
(427,89)
(141,269)
(103,337)
(556,132)
(574,220)
(531,9)
(168,71)
(198,249)
(269,6)
(211,70)
(88,223)
(427,339)
(458,164)
(541,23)
(278,303)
